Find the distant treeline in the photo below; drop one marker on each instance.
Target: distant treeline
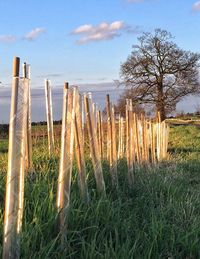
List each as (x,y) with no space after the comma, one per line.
(4,128)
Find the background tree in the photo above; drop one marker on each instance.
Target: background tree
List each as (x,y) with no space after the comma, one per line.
(160,73)
(120,108)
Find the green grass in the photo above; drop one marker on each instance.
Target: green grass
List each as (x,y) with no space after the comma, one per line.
(158,218)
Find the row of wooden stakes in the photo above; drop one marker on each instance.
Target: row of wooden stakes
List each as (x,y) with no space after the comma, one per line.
(134,138)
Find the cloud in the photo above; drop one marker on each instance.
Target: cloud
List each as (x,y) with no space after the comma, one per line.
(34,34)
(100,32)
(83,29)
(196,6)
(7,38)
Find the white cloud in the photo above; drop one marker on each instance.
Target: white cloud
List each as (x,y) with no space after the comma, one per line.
(83,29)
(196,6)
(100,32)
(7,38)
(34,34)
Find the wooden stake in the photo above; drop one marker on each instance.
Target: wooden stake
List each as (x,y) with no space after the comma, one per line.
(137,138)
(111,143)
(26,74)
(114,148)
(143,139)
(80,150)
(119,154)
(66,159)
(131,131)
(29,127)
(154,127)
(83,120)
(100,134)
(122,137)
(158,151)
(128,145)
(146,141)
(152,142)
(23,114)
(10,242)
(16,162)
(49,117)
(93,150)
(109,132)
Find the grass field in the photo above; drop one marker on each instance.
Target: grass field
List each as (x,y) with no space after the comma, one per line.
(158,218)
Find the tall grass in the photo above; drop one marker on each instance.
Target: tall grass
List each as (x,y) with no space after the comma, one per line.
(158,218)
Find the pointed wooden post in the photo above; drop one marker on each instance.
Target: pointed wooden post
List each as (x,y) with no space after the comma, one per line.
(14,200)
(164,138)
(29,128)
(80,150)
(122,137)
(132,138)
(114,147)
(152,142)
(83,120)
(128,144)
(66,159)
(143,139)
(119,154)
(96,161)
(167,137)
(10,242)
(49,116)
(111,142)
(100,134)
(154,136)
(146,141)
(158,134)
(137,138)
(26,74)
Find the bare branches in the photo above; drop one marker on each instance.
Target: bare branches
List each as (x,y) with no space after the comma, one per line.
(159,72)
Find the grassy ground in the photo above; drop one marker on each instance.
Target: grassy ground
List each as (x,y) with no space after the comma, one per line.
(158,218)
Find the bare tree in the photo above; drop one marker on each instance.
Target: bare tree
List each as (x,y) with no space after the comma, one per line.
(160,73)
(120,108)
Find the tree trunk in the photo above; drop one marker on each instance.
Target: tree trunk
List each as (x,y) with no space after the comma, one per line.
(160,105)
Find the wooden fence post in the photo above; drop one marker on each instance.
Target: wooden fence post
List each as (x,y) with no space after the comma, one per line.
(29,128)
(66,159)
(100,134)
(16,165)
(80,150)
(119,154)
(131,131)
(158,137)
(26,74)
(143,138)
(49,116)
(152,142)
(164,138)
(129,144)
(111,142)
(114,148)
(93,148)
(137,138)
(83,120)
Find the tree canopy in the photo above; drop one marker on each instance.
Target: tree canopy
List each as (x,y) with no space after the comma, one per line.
(158,72)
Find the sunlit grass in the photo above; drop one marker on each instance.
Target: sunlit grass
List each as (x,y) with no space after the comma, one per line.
(158,218)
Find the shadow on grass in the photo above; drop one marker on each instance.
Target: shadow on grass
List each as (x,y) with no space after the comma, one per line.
(3,150)
(183,150)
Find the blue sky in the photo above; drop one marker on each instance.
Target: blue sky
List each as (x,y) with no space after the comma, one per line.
(86,41)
